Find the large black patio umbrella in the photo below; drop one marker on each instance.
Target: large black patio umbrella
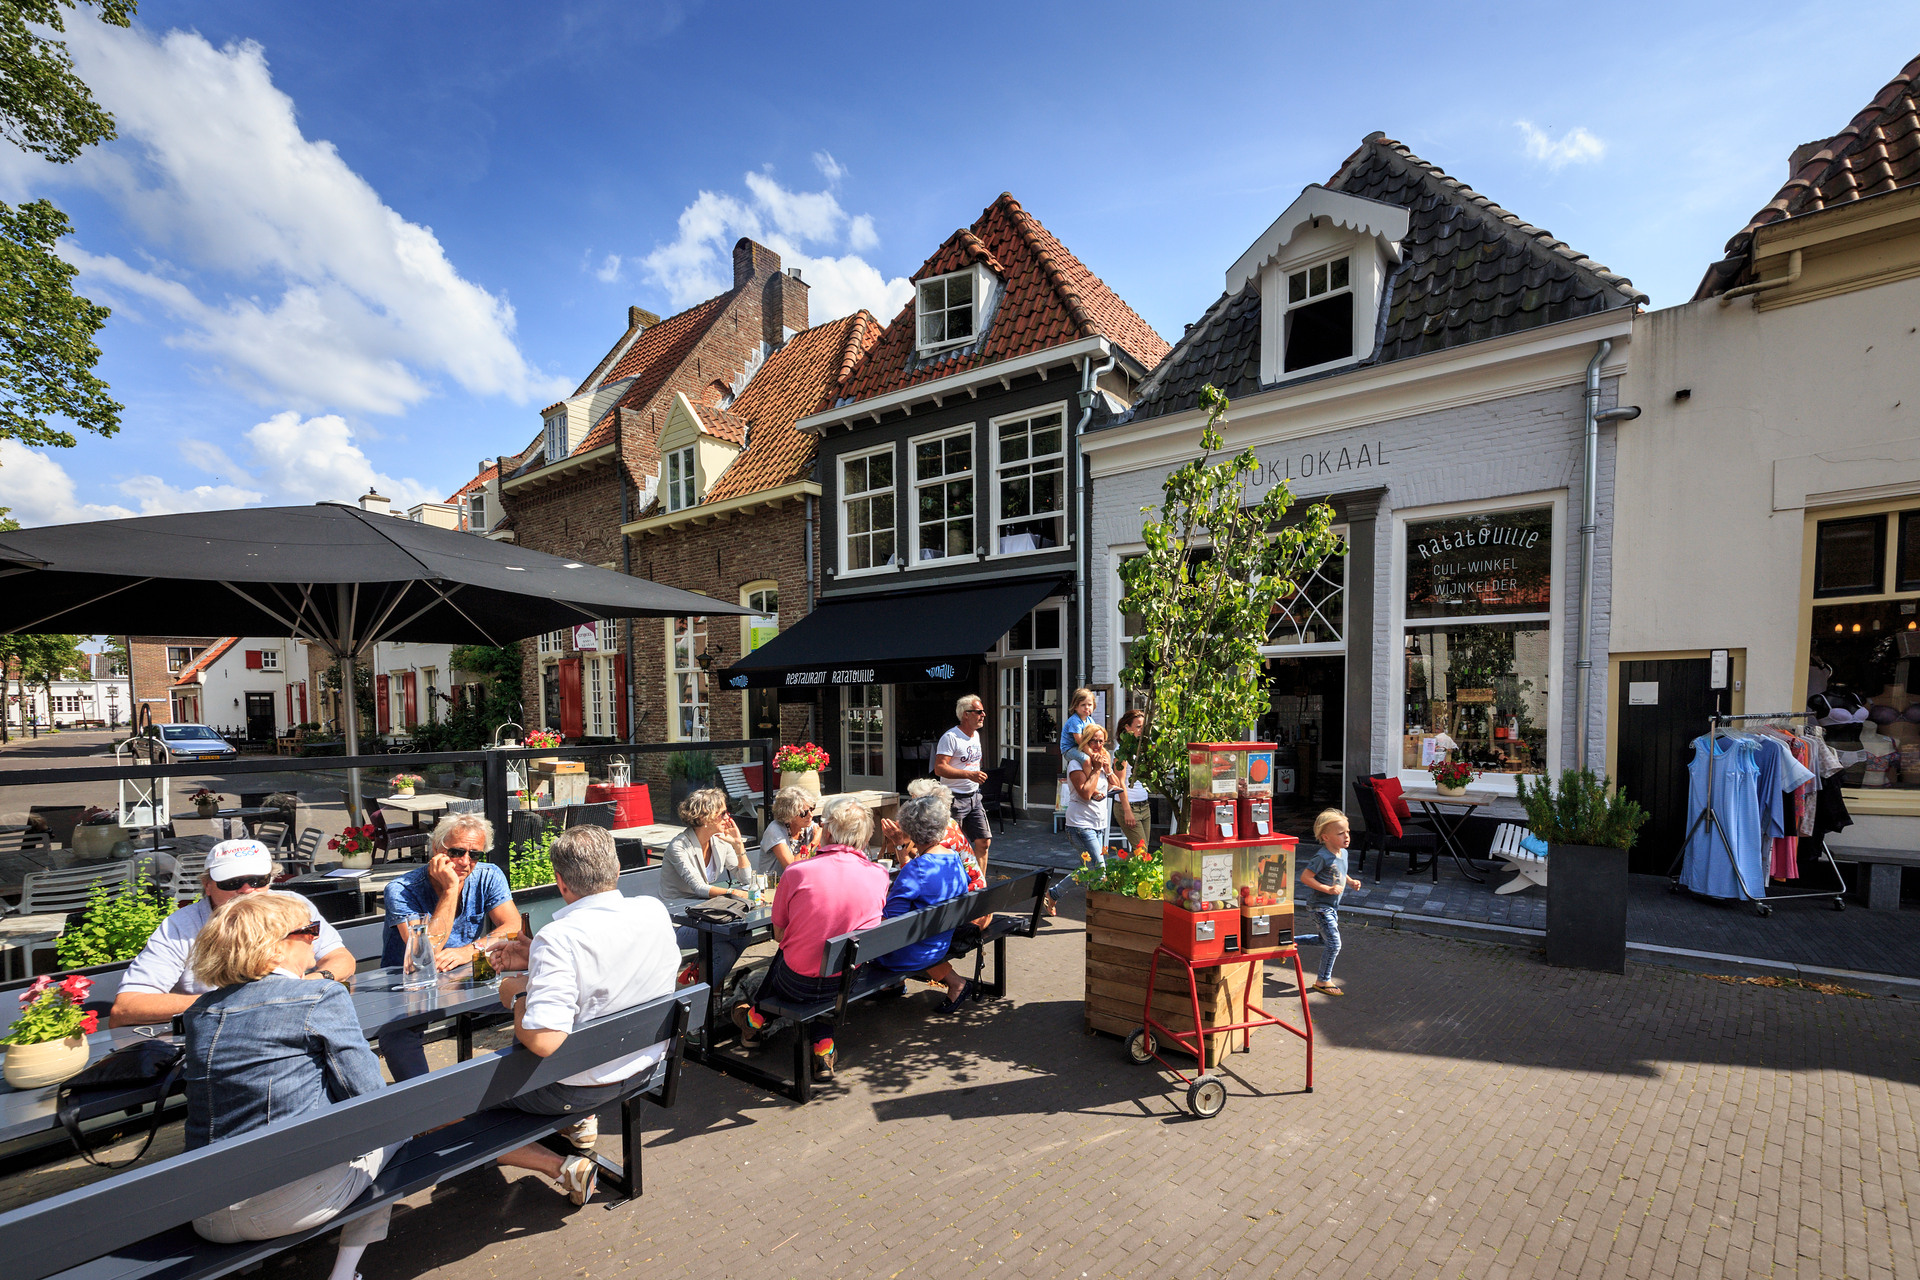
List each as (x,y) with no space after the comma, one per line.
(336,575)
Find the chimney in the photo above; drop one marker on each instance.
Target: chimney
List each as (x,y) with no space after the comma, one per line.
(750,260)
(641,318)
(785,310)
(372,501)
(484,464)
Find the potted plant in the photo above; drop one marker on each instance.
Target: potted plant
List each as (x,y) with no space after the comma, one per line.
(547,739)
(47,1043)
(800,766)
(114,925)
(1588,827)
(206,802)
(689,771)
(355,846)
(1450,777)
(404,783)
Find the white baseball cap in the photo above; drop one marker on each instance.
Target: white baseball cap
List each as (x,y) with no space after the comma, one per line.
(231,859)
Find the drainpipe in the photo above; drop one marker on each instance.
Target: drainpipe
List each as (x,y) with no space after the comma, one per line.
(1761,286)
(1083,553)
(1589,525)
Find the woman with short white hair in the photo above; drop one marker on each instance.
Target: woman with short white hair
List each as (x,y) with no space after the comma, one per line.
(791,835)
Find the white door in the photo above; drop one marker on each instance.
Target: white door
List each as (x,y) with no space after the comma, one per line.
(1013,736)
(866,737)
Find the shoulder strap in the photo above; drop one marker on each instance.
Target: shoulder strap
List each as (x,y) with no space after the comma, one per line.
(67,1111)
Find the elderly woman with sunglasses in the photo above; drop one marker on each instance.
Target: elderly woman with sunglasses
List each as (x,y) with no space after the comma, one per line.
(467,903)
(160,983)
(792,835)
(262,1047)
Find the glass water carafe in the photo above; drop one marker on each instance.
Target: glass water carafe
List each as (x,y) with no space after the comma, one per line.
(418,969)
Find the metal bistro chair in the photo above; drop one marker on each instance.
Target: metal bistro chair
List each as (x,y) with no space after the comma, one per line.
(188,867)
(1379,836)
(996,792)
(402,843)
(65,890)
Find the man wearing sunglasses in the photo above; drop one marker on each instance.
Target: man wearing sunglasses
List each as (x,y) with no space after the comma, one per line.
(160,983)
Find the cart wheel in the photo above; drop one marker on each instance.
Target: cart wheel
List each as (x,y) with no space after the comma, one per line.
(1839,904)
(1763,908)
(1140,1047)
(1206,1097)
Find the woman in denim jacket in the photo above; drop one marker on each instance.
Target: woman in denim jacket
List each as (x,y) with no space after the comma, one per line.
(269,1045)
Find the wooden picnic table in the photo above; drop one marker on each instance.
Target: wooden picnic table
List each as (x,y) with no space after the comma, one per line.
(415,805)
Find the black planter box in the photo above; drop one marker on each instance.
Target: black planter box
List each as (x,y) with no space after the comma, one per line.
(1587,907)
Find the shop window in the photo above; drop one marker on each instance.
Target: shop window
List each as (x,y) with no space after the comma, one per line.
(1029,476)
(1849,556)
(866,509)
(943,495)
(1319,318)
(1907,573)
(689,688)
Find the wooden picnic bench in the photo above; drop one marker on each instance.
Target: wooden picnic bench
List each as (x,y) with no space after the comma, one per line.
(137,1225)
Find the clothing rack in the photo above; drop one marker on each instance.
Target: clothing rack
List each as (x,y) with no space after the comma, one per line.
(1711,819)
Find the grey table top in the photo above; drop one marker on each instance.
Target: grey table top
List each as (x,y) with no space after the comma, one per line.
(28,1111)
(760,918)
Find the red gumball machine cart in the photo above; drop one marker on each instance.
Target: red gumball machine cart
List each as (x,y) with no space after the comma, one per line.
(1227,902)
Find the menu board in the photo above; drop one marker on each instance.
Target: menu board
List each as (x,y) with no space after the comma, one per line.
(1273,875)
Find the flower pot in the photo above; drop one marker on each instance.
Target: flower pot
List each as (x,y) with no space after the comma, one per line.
(208,810)
(404,793)
(1455,792)
(34,1066)
(805,779)
(362,861)
(1587,907)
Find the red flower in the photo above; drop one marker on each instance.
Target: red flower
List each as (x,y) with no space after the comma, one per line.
(367,830)
(90,1023)
(75,987)
(1120,854)
(333,844)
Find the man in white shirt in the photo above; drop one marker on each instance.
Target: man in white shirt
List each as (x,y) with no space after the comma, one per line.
(956,762)
(160,983)
(600,953)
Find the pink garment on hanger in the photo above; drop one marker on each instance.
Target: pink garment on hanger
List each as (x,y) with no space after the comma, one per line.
(1785,863)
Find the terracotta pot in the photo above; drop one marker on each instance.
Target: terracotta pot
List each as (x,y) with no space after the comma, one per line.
(806,780)
(34,1066)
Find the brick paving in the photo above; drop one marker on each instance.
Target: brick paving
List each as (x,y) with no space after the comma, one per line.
(1477,1114)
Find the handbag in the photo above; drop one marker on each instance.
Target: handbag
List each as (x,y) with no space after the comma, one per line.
(719,911)
(127,1078)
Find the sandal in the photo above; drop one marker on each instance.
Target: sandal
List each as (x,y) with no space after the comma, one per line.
(1053,906)
(750,1035)
(969,989)
(1326,989)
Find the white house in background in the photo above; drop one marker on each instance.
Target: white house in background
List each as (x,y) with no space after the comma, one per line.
(262,687)
(82,698)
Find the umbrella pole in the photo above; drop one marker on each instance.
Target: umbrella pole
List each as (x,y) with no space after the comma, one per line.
(350,711)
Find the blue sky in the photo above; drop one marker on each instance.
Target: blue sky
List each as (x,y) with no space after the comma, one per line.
(365,243)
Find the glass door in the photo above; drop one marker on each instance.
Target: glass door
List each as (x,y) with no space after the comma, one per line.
(1012,688)
(1046,712)
(866,738)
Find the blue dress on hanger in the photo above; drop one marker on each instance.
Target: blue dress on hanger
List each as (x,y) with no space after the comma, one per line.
(1705,867)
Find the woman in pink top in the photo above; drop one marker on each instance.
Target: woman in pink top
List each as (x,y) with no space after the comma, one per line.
(836,891)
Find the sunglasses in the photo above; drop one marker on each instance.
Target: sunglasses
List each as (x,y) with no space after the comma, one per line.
(238,883)
(454,852)
(305,931)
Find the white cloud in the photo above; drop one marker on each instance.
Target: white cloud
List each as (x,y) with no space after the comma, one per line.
(277,259)
(699,262)
(830,169)
(1577,147)
(609,269)
(38,489)
(316,460)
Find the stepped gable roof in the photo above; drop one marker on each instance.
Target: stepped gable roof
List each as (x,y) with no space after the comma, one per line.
(795,381)
(1878,152)
(205,660)
(1469,271)
(477,482)
(1049,298)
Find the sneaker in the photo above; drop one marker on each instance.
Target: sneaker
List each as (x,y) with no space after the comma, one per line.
(584,1135)
(1326,989)
(577,1177)
(823,1063)
(749,1033)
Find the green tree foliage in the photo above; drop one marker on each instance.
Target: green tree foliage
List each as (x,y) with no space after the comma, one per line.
(30,660)
(471,724)
(1207,586)
(118,922)
(47,352)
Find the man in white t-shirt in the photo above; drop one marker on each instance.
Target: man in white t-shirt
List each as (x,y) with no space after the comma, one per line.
(956,762)
(160,982)
(601,953)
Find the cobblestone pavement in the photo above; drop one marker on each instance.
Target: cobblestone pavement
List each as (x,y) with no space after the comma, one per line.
(1476,1114)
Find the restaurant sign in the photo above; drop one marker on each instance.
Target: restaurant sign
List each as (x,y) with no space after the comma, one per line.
(811,679)
(1473,565)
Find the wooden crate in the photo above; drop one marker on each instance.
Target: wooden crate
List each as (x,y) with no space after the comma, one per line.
(1121,936)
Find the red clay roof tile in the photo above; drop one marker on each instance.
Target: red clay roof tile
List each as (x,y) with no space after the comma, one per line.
(206,659)
(473,484)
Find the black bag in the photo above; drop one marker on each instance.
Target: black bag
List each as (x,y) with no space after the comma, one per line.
(719,910)
(127,1079)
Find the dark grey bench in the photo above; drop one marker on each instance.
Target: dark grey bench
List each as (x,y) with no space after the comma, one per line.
(849,953)
(1883,868)
(137,1225)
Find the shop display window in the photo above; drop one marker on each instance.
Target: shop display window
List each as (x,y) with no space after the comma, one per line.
(1871,650)
(1486,687)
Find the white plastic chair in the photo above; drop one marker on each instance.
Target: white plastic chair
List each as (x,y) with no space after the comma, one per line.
(47,892)
(1531,868)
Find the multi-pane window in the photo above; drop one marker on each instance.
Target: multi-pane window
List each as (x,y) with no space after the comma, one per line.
(1319,317)
(63,702)
(1316,612)
(269,659)
(555,446)
(602,717)
(946,310)
(680,479)
(691,695)
(943,495)
(178,656)
(553,641)
(866,508)
(1030,476)
(477,512)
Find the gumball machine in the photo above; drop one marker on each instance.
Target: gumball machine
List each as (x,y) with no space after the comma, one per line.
(1266,904)
(1200,907)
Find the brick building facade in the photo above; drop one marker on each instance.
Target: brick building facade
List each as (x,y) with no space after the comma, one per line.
(156,662)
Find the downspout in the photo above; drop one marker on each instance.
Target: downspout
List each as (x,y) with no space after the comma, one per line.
(626,562)
(1083,553)
(813,707)
(1761,286)
(1589,526)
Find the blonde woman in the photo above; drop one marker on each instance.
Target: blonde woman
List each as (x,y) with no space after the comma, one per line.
(265,1045)
(792,835)
(698,864)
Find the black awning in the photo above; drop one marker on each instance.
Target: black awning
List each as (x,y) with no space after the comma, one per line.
(893,638)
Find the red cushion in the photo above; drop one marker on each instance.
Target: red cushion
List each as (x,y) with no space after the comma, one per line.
(1388,817)
(1394,797)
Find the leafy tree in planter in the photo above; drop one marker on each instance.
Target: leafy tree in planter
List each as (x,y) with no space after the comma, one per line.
(1214,572)
(118,922)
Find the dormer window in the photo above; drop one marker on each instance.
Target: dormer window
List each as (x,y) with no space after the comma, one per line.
(555,445)
(1319,319)
(681,490)
(950,308)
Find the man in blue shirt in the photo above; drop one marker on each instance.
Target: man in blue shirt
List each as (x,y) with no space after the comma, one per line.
(466,901)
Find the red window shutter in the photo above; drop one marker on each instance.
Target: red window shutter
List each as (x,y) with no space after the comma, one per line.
(620,693)
(303,702)
(570,719)
(253,659)
(410,691)
(383,705)
(290,718)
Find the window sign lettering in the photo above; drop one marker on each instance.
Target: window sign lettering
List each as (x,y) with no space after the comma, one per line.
(1465,566)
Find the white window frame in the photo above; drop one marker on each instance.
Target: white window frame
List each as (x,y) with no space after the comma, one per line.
(983,284)
(1326,647)
(752,596)
(176,667)
(477,512)
(555,444)
(846,569)
(1066,482)
(1305,269)
(689,669)
(971,476)
(1387,728)
(269,659)
(553,643)
(680,475)
(1002,648)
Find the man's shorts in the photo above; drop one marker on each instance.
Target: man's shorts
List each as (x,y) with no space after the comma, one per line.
(971,813)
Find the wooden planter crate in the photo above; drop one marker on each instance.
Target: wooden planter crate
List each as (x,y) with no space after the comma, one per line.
(1121,936)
